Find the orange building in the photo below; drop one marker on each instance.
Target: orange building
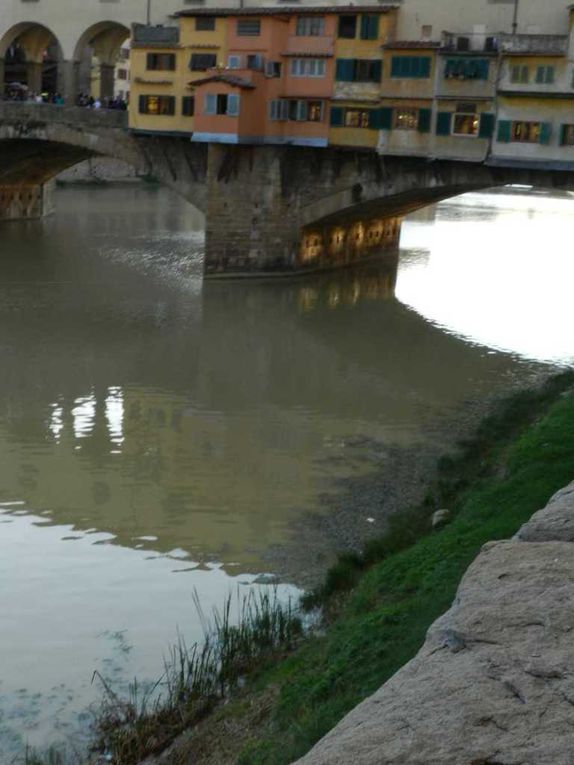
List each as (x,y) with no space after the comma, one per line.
(278,80)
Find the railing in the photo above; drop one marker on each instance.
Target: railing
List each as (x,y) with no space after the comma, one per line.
(24,111)
(557,44)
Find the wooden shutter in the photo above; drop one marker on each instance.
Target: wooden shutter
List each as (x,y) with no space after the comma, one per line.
(376,71)
(424,123)
(396,66)
(187,106)
(232,105)
(375,119)
(443,123)
(210,104)
(336,116)
(486,128)
(345,70)
(386,118)
(369,26)
(424,67)
(545,132)
(504,130)
(143,104)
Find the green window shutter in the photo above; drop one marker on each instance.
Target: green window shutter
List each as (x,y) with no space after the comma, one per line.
(396,66)
(504,128)
(345,70)
(142,104)
(443,123)
(563,132)
(369,26)
(484,69)
(386,118)
(540,75)
(424,123)
(375,119)
(486,128)
(376,71)
(336,116)
(424,67)
(545,132)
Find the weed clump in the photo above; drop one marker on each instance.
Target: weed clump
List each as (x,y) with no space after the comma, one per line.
(197,677)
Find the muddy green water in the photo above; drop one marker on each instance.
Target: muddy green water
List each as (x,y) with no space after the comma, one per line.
(159,435)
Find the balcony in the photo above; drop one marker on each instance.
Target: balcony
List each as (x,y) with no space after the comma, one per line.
(160,36)
(469,43)
(528,45)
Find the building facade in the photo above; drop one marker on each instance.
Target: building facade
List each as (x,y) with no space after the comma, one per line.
(343,76)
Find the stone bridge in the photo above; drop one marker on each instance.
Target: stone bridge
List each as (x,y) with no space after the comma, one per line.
(269,209)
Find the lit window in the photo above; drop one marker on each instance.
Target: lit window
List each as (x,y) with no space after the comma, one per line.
(465,120)
(526,132)
(157,105)
(406,119)
(357,118)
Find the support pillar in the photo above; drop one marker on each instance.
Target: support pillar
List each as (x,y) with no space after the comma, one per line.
(26,201)
(68,81)
(251,227)
(34,76)
(107,76)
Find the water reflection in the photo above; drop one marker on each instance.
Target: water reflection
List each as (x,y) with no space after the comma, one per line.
(153,425)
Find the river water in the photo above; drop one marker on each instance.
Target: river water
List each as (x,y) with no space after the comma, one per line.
(159,435)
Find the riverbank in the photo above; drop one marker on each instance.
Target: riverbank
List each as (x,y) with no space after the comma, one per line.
(378,605)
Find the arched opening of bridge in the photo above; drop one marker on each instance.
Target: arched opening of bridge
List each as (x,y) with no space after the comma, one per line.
(30,61)
(101,62)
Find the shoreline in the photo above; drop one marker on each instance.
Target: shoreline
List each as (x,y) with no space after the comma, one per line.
(292,697)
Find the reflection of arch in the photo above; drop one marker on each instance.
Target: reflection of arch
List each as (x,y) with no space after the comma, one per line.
(104,41)
(40,71)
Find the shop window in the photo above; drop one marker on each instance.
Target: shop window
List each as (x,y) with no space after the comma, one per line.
(520,74)
(199,62)
(157,105)
(160,62)
(348,27)
(205,24)
(248,27)
(310,26)
(406,119)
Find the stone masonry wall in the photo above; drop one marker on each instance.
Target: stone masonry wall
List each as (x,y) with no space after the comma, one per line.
(493,683)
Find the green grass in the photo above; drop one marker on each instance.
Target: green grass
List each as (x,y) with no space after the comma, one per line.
(520,456)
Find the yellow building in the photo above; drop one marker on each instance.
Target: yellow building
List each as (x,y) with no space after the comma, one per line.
(164,61)
(355,114)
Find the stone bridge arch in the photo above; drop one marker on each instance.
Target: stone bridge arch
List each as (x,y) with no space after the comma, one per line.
(38,141)
(103,40)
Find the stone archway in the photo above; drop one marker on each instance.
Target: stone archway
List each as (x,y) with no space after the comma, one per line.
(96,56)
(31,55)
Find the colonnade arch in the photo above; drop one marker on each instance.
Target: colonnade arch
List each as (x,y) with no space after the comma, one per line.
(31,56)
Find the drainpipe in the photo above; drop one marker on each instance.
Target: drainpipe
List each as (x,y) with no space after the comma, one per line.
(515,17)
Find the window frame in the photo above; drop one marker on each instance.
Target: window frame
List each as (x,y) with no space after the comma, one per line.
(205,23)
(157,58)
(248,27)
(310,26)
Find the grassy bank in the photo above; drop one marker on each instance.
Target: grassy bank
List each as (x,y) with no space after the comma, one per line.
(377,605)
(519,457)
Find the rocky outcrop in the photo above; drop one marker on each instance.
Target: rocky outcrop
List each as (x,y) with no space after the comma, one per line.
(493,683)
